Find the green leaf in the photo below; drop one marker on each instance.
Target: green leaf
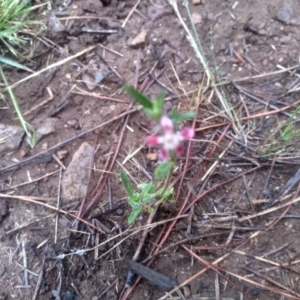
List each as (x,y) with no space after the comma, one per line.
(157,110)
(163,169)
(139,97)
(167,193)
(134,214)
(127,184)
(146,188)
(134,201)
(14,63)
(177,117)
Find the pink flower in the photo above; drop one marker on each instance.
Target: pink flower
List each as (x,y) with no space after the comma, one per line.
(170,140)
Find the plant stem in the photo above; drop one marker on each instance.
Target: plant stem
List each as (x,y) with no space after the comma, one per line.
(169,175)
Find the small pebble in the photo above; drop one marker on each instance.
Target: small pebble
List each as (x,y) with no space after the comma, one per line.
(139,40)
(119,212)
(151,156)
(23,152)
(45,146)
(46,159)
(72,123)
(197,18)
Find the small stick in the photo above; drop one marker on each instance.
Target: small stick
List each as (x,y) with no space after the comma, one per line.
(130,13)
(250,95)
(108,288)
(76,290)
(63,102)
(217,287)
(50,98)
(207,267)
(24,262)
(190,219)
(247,192)
(112,69)
(216,268)
(59,162)
(29,182)
(32,200)
(109,193)
(266,190)
(96,95)
(162,84)
(286,188)
(243,194)
(111,50)
(273,282)
(229,239)
(19,227)
(261,213)
(57,205)
(276,250)
(57,64)
(39,281)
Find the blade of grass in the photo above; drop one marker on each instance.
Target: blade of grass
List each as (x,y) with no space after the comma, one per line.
(30,132)
(14,63)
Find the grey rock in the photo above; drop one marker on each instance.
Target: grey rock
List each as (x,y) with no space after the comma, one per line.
(139,40)
(100,75)
(75,178)
(119,212)
(89,81)
(55,25)
(285,12)
(10,137)
(45,127)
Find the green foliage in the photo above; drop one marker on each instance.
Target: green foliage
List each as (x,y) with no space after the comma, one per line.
(138,97)
(153,109)
(286,138)
(163,169)
(13,63)
(12,20)
(177,117)
(30,132)
(146,198)
(126,183)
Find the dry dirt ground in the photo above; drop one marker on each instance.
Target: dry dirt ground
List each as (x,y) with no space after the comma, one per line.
(45,255)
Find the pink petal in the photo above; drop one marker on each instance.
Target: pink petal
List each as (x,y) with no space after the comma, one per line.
(179,150)
(166,123)
(163,154)
(187,133)
(152,140)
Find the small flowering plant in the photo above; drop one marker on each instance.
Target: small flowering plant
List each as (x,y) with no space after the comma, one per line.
(170,139)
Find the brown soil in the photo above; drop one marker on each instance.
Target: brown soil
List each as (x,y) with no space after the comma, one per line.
(248,39)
